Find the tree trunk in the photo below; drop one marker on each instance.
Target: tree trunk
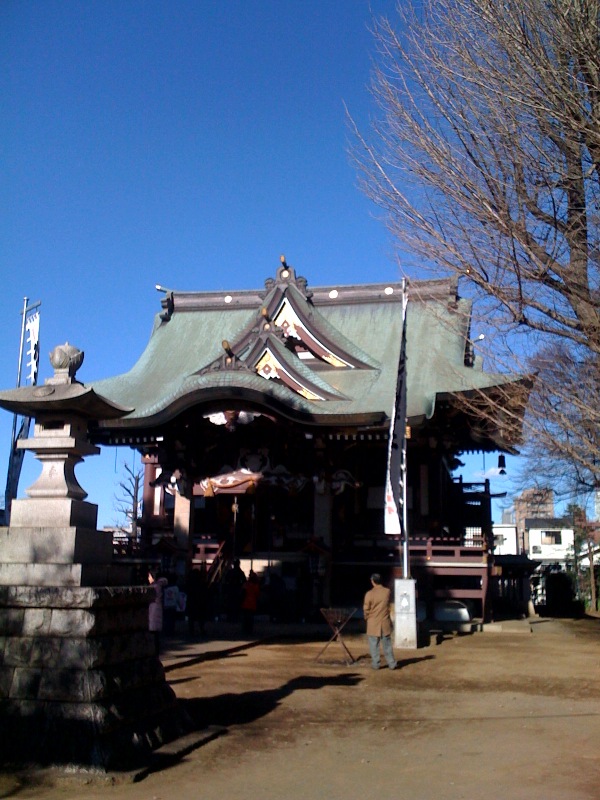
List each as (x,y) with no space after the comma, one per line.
(593,600)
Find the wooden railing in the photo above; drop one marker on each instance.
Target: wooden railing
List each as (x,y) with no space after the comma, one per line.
(430,549)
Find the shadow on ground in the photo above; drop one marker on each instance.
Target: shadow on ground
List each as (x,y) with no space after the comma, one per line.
(239,709)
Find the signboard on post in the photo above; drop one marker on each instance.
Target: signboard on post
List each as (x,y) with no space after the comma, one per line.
(405,606)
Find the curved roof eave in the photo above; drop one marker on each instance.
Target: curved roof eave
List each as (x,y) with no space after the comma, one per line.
(489,383)
(245,389)
(505,432)
(510,384)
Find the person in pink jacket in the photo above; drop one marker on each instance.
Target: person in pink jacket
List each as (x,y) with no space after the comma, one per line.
(376,609)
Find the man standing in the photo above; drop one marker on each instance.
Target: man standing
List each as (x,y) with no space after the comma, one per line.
(376,608)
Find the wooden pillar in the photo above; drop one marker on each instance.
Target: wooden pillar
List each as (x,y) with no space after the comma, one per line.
(183,525)
(152,507)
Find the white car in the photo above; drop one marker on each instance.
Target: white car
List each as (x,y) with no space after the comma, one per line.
(452,615)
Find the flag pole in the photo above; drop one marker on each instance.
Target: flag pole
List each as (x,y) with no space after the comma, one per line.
(405,554)
(15,460)
(405,614)
(19,367)
(405,558)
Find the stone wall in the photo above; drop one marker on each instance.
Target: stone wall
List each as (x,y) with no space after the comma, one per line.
(80,681)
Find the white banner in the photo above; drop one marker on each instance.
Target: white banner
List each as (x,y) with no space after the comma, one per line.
(32,326)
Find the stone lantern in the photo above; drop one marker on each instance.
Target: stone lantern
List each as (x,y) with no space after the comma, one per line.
(80,681)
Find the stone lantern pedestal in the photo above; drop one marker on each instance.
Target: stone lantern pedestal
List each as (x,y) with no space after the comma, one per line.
(80,681)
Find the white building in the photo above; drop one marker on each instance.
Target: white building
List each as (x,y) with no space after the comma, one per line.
(551,541)
(506,542)
(527,559)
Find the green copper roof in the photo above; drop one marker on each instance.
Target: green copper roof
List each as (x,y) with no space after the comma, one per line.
(185,364)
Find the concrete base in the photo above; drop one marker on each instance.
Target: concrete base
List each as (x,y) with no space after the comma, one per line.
(80,682)
(65,575)
(61,545)
(52,512)
(64,555)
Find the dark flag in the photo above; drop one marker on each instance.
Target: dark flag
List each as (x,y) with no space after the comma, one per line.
(395,490)
(15,461)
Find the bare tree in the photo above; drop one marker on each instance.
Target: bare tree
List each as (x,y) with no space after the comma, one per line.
(485,159)
(583,546)
(128,501)
(564,435)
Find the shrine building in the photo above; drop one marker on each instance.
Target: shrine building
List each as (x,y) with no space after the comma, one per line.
(263,420)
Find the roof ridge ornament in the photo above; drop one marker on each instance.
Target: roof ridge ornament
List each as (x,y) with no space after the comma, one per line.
(286,276)
(168,305)
(228,361)
(287,314)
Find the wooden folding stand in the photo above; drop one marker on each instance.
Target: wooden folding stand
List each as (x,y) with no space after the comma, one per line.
(337,619)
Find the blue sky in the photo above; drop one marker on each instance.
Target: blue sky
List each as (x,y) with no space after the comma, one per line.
(182,143)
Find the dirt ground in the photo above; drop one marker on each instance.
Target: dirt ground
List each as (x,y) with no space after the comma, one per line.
(511,712)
